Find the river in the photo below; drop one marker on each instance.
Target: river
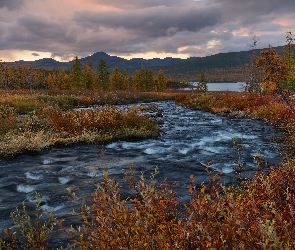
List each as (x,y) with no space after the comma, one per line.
(190,139)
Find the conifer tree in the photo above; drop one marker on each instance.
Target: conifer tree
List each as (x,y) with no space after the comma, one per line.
(202,84)
(116,79)
(102,78)
(150,82)
(76,74)
(66,81)
(125,80)
(161,81)
(146,82)
(137,81)
(88,76)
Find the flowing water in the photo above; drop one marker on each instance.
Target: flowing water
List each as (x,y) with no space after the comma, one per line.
(190,139)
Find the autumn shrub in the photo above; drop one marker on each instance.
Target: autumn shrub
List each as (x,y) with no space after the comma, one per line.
(77,121)
(29,233)
(27,101)
(197,101)
(48,126)
(147,220)
(35,122)
(8,119)
(61,101)
(258,214)
(277,114)
(25,105)
(103,119)
(13,143)
(49,115)
(272,110)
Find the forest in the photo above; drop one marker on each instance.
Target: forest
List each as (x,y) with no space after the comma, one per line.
(36,78)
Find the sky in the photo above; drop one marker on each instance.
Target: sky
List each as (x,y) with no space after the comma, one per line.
(63,29)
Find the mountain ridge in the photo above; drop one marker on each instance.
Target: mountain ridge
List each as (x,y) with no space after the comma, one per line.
(112,61)
(216,66)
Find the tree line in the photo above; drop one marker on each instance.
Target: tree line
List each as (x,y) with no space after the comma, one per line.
(30,77)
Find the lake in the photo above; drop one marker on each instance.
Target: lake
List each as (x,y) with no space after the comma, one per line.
(214,86)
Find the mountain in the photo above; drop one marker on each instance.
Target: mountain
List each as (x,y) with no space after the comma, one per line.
(222,67)
(112,61)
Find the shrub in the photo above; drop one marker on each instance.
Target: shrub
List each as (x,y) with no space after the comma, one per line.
(259,214)
(29,233)
(8,119)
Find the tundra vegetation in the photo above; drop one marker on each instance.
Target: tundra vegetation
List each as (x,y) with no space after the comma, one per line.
(258,213)
(34,121)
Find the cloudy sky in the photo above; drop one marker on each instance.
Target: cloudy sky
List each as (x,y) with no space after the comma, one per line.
(62,29)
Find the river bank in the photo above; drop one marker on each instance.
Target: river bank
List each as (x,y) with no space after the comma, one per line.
(271,110)
(257,214)
(36,121)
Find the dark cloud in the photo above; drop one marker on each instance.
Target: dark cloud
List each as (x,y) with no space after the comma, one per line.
(151,22)
(247,12)
(38,33)
(42,27)
(11,4)
(35,54)
(258,6)
(138,4)
(195,28)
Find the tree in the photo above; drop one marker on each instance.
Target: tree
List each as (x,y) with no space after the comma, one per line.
(274,69)
(16,77)
(66,81)
(102,78)
(149,80)
(289,59)
(137,80)
(275,73)
(29,76)
(125,80)
(76,73)
(253,74)
(50,80)
(117,80)
(3,75)
(202,84)
(88,76)
(161,81)
(39,81)
(144,79)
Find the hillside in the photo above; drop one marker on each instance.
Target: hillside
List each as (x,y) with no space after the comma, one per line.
(215,66)
(222,67)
